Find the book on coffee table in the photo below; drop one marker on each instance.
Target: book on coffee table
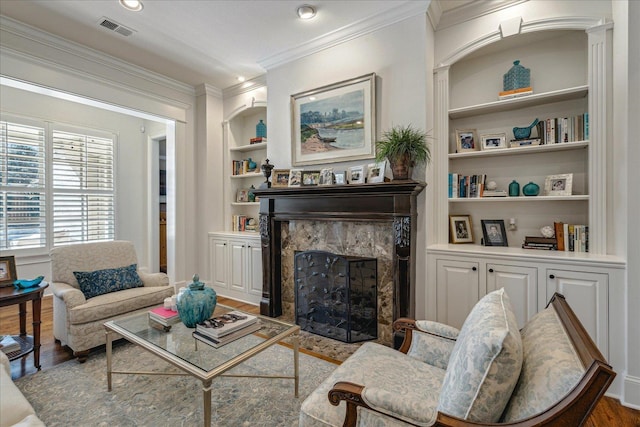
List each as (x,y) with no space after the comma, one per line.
(224,324)
(164,316)
(8,344)
(218,342)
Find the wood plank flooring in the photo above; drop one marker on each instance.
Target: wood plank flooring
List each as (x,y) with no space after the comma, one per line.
(608,413)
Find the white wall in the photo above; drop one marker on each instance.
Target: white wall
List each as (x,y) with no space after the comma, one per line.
(398,56)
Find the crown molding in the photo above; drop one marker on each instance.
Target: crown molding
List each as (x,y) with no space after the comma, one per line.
(84,53)
(349,32)
(434,13)
(244,87)
(473,10)
(207,89)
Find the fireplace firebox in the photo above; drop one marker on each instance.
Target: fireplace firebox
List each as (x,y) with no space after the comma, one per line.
(336,295)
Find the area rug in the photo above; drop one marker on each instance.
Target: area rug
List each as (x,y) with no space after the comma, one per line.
(75,394)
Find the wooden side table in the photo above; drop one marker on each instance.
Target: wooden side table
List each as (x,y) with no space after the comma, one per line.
(10,296)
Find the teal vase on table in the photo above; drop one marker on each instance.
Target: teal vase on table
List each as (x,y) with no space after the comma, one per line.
(197,303)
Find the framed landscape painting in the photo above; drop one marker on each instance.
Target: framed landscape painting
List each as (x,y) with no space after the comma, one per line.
(334,123)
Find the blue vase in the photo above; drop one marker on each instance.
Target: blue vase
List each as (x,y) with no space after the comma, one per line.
(251,165)
(531,189)
(514,189)
(261,130)
(196,303)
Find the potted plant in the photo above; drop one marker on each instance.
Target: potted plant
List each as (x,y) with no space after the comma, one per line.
(404,147)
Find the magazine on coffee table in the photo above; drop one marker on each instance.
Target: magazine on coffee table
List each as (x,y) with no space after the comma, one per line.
(218,342)
(224,324)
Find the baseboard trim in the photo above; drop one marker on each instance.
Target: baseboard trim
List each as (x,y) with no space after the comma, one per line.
(631,392)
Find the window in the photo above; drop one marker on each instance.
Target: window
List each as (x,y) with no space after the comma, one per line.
(56,185)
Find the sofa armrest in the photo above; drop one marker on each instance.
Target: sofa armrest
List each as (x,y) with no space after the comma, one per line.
(72,297)
(428,341)
(154,279)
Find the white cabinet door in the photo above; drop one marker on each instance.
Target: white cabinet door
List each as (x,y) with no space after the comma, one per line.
(218,249)
(458,290)
(587,294)
(254,268)
(520,283)
(237,264)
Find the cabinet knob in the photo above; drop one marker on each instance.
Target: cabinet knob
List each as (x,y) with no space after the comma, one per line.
(491,270)
(249,246)
(474,268)
(551,276)
(224,244)
(243,246)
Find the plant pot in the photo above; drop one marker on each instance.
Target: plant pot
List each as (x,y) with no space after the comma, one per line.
(401,167)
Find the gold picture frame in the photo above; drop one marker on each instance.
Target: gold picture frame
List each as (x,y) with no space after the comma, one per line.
(467,140)
(8,273)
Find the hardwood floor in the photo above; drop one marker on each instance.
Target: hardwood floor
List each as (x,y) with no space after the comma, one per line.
(608,413)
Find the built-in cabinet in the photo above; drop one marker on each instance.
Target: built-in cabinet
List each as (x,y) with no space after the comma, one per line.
(235,265)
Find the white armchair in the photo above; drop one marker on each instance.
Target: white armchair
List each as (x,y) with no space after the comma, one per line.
(78,320)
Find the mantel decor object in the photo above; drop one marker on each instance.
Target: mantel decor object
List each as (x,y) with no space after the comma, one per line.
(404,147)
(266,171)
(196,303)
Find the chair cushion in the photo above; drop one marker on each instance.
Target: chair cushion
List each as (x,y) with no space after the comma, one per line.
(485,362)
(100,282)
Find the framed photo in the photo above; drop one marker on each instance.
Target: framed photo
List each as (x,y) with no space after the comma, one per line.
(356,175)
(310,177)
(242,195)
(326,176)
(280,178)
(340,177)
(467,140)
(334,123)
(295,177)
(7,271)
(558,185)
(375,172)
(460,230)
(492,141)
(494,232)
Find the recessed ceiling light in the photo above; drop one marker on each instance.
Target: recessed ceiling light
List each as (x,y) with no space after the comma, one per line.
(133,5)
(306,11)
(241,79)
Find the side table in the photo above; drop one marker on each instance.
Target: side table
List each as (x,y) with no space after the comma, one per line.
(10,296)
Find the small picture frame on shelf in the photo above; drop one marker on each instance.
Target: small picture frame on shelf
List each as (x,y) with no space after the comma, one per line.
(375,172)
(460,230)
(295,177)
(242,196)
(558,185)
(493,232)
(340,177)
(280,178)
(310,178)
(356,175)
(493,141)
(326,176)
(8,273)
(467,140)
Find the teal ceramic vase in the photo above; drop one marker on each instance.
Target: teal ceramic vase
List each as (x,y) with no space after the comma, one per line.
(251,165)
(514,189)
(252,195)
(531,189)
(196,303)
(261,130)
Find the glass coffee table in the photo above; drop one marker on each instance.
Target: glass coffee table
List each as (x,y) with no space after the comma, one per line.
(178,347)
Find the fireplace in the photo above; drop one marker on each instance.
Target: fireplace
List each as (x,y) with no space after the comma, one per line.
(336,295)
(384,212)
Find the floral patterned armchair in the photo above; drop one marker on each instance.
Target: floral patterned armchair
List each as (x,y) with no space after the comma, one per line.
(548,374)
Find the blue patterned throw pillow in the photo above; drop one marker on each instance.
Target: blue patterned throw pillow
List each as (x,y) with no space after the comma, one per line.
(99,282)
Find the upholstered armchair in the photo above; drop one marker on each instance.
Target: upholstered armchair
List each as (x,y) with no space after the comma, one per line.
(96,282)
(548,374)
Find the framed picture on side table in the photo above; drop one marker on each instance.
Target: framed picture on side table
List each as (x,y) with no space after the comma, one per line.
(460,229)
(7,271)
(494,232)
(558,185)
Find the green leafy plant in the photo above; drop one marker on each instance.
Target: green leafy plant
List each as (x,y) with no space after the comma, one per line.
(404,147)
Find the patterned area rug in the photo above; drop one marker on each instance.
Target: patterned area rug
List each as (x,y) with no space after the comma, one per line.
(74,394)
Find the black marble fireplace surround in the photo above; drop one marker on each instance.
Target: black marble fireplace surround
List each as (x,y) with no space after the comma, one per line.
(388,210)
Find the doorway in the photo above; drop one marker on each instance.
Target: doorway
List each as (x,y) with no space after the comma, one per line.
(162,203)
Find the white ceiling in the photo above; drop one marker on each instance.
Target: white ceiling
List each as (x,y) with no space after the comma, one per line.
(212,41)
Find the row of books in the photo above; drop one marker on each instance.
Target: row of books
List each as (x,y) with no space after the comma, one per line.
(163,316)
(544,243)
(466,186)
(8,344)
(241,167)
(258,140)
(239,222)
(564,129)
(572,237)
(222,329)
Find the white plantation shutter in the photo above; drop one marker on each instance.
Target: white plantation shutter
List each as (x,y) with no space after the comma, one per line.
(22,186)
(83,188)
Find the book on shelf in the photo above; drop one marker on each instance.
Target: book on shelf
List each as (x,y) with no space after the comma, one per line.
(539,246)
(466,186)
(257,140)
(494,193)
(224,324)
(218,342)
(164,316)
(537,242)
(514,143)
(515,93)
(572,237)
(8,344)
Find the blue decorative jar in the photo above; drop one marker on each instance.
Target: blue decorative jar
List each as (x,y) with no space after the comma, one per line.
(261,129)
(514,189)
(517,77)
(196,303)
(251,165)
(531,189)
